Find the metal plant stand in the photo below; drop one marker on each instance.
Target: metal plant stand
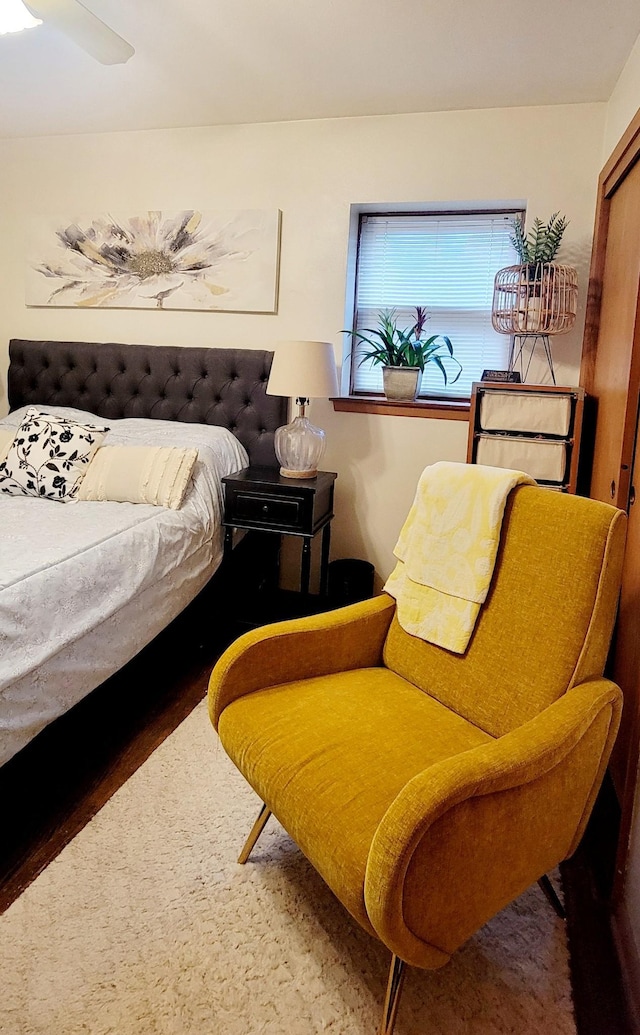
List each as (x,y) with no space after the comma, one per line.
(517,354)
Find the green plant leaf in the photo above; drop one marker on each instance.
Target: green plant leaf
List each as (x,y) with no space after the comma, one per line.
(543,240)
(438,361)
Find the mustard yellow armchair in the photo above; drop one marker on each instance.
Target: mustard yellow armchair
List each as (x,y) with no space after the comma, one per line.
(430,789)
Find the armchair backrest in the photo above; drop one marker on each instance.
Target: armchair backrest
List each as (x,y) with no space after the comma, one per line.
(546,623)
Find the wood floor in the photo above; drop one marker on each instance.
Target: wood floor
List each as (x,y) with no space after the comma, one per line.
(587,877)
(58,783)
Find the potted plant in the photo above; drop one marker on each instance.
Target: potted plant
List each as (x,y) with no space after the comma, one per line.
(542,242)
(539,296)
(403,353)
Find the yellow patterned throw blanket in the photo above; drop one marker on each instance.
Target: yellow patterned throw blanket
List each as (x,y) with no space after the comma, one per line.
(447,550)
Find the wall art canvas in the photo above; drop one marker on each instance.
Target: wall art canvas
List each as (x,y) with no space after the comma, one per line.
(156,260)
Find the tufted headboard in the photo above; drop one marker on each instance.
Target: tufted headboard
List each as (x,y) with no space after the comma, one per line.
(226,387)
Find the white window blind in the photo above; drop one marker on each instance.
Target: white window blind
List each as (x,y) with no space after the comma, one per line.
(448,264)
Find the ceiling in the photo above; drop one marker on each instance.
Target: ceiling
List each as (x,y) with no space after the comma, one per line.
(202,62)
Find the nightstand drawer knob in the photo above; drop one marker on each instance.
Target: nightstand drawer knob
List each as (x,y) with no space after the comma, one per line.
(265,508)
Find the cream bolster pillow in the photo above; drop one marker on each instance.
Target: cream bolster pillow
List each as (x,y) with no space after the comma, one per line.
(139,474)
(7,436)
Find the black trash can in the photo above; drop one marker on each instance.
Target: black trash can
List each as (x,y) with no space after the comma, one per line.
(349,580)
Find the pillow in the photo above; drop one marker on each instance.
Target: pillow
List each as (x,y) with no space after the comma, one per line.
(139,474)
(7,436)
(49,456)
(16,417)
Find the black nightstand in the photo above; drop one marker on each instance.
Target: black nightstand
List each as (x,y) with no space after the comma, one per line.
(260,499)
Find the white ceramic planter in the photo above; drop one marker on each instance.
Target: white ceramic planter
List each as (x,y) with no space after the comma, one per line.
(400,383)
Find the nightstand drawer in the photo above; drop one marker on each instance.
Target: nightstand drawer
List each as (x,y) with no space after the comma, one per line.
(271,510)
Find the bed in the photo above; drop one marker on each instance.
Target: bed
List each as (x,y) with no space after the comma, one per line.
(84,585)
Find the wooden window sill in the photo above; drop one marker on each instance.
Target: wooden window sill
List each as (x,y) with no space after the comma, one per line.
(432,408)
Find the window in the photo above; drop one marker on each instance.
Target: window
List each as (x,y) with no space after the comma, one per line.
(446,262)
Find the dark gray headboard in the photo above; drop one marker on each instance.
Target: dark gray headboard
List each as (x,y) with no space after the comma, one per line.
(206,386)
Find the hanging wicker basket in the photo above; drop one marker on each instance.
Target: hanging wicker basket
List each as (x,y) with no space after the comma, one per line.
(535,298)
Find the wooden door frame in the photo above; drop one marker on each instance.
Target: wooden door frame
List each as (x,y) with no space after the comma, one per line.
(624,156)
(622,159)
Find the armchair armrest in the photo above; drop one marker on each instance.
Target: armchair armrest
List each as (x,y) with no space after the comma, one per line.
(468,835)
(336,641)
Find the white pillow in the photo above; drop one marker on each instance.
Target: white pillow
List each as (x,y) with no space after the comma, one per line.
(16,417)
(139,474)
(7,436)
(49,456)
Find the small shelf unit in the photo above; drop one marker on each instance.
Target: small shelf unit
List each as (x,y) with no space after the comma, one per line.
(531,428)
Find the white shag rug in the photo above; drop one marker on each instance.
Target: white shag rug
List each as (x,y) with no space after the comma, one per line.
(146,925)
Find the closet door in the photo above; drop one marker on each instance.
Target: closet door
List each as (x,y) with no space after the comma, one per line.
(616,373)
(611,374)
(616,385)
(625,658)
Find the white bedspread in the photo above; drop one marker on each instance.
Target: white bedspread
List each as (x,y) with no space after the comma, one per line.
(84,586)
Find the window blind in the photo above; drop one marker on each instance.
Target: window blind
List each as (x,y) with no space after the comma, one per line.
(448,264)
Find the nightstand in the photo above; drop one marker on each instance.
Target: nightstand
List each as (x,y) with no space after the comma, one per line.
(260,499)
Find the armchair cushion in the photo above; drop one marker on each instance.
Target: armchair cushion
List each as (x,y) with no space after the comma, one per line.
(330,754)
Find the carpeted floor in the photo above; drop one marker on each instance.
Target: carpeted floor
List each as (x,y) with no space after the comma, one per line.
(146,925)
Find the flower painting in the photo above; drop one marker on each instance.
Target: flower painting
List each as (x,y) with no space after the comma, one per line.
(157,260)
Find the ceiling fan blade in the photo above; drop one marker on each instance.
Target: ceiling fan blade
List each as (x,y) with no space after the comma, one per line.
(83,27)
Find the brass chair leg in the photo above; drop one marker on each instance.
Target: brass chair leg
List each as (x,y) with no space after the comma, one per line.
(552,897)
(256,830)
(392,998)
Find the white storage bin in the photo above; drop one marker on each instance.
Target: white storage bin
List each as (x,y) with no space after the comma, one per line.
(542,413)
(543,459)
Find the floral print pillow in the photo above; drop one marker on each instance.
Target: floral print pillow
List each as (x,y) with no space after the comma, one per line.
(49,456)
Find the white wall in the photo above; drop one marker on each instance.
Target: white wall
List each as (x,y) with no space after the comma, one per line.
(313,172)
(623,103)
